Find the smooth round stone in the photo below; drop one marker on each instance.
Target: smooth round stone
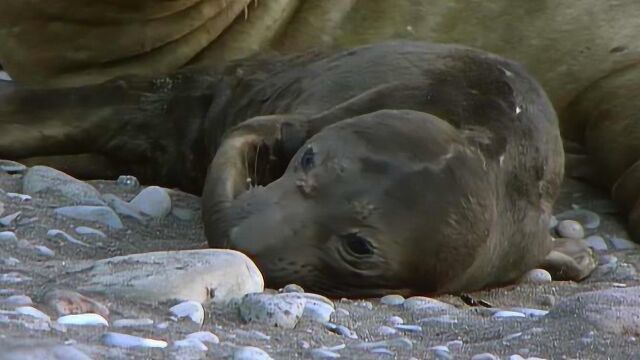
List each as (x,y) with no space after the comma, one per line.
(17,300)
(189,309)
(44,251)
(153,201)
(33,312)
(570,229)
(13,278)
(597,243)
(455,345)
(394,320)
(279,310)
(20,197)
(190,343)
(8,236)
(341,330)
(622,244)
(85,230)
(124,208)
(250,353)
(401,343)
(503,314)
(409,328)
(100,214)
(529,312)
(132,323)
(6,221)
(10,261)
(59,234)
(419,303)
(392,300)
(323,354)
(536,276)
(204,337)
(317,310)
(386,330)
(12,167)
(42,178)
(516,357)
(292,288)
(89,319)
(484,356)
(588,219)
(441,352)
(128,182)
(130,341)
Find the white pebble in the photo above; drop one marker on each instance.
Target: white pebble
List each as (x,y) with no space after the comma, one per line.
(191,309)
(8,220)
(516,357)
(484,356)
(529,312)
(130,341)
(570,229)
(85,230)
(21,197)
(8,236)
(421,303)
(33,312)
(17,300)
(386,330)
(392,300)
(88,319)
(455,344)
(281,310)
(132,323)
(508,314)
(318,311)
(597,243)
(13,278)
(536,276)
(190,343)
(44,251)
(395,320)
(204,336)
(153,201)
(59,234)
(324,354)
(250,353)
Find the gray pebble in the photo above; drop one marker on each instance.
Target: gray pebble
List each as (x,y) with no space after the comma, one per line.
(292,288)
(21,197)
(184,214)
(409,328)
(364,304)
(597,243)
(303,344)
(190,343)
(12,167)
(100,214)
(17,300)
(205,337)
(536,276)
(42,178)
(8,236)
(85,230)
(13,278)
(128,182)
(441,352)
(132,323)
(124,208)
(386,330)
(130,341)
(553,222)
(529,312)
(400,343)
(588,219)
(622,244)
(422,303)
(281,310)
(341,330)
(44,251)
(250,353)
(570,229)
(6,221)
(383,351)
(317,310)
(484,356)
(394,320)
(33,312)
(153,201)
(189,309)
(547,300)
(342,312)
(9,261)
(323,354)
(455,344)
(444,319)
(54,234)
(392,300)
(503,314)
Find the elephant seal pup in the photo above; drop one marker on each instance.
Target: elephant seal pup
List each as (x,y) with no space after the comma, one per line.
(437,175)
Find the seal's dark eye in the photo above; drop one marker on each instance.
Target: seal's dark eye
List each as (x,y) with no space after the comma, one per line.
(307,161)
(357,245)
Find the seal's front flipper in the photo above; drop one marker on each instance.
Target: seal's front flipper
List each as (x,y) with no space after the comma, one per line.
(570,259)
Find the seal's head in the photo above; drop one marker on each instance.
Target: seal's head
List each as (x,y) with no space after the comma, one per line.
(375,204)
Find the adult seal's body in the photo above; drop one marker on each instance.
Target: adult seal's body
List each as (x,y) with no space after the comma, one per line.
(402,166)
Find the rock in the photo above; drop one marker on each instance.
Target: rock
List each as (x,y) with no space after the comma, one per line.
(422,303)
(88,319)
(394,320)
(189,309)
(622,244)
(597,243)
(216,275)
(54,234)
(615,310)
(409,328)
(124,208)
(9,261)
(20,197)
(292,288)
(128,182)
(43,178)
(68,302)
(323,354)
(400,343)
(484,356)
(570,229)
(8,236)
(441,352)
(341,330)
(279,310)
(19,349)
(100,214)
(184,214)
(386,330)
(588,219)
(9,219)
(533,313)
(129,341)
(250,353)
(504,314)
(536,276)
(190,343)
(44,251)
(85,230)
(132,323)
(205,337)
(317,308)
(392,300)
(16,300)
(455,345)
(33,312)
(12,167)
(153,201)
(13,278)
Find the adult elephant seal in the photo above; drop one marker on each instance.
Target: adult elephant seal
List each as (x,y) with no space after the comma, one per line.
(398,167)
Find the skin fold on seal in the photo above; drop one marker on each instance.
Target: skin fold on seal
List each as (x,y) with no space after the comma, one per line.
(397,167)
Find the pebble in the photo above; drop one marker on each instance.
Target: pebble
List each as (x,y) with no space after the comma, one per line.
(570,229)
(44,251)
(588,219)
(484,356)
(401,343)
(153,201)
(21,197)
(10,261)
(278,310)
(528,312)
(87,319)
(342,312)
(128,182)
(392,300)
(190,309)
(132,323)
(190,343)
(292,288)
(42,178)
(536,276)
(12,167)
(13,278)
(17,300)
(54,234)
(622,244)
(317,309)
(250,353)
(382,351)
(85,230)
(508,314)
(33,312)
(303,344)
(409,328)
(124,208)
(441,352)
(130,341)
(597,243)
(323,354)
(8,236)
(100,214)
(455,344)
(421,303)
(516,357)
(364,304)
(386,330)
(9,219)
(341,330)
(205,337)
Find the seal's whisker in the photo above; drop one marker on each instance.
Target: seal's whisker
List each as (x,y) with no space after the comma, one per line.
(255,166)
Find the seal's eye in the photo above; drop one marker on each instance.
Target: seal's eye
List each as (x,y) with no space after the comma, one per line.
(357,245)
(307,161)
